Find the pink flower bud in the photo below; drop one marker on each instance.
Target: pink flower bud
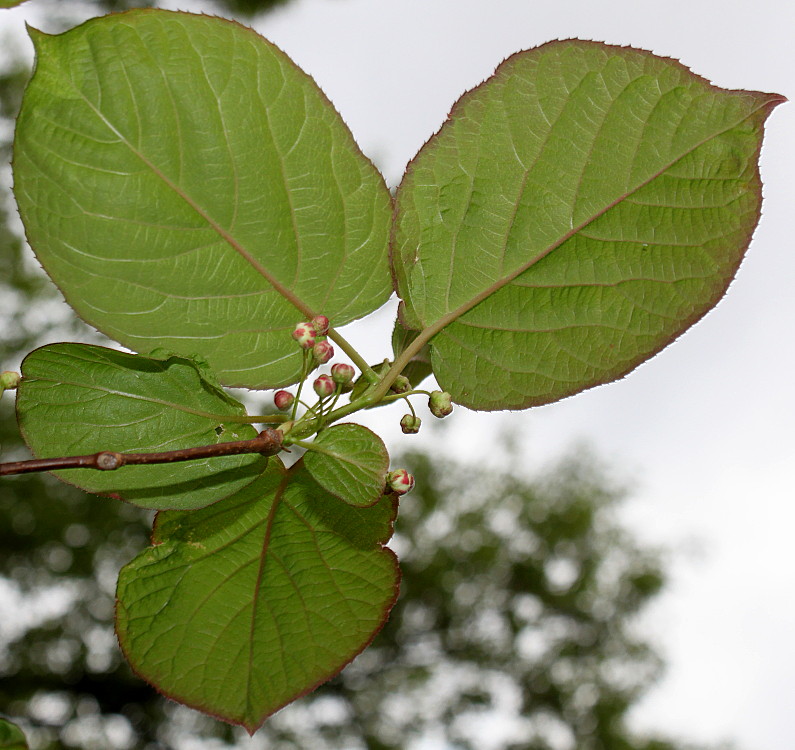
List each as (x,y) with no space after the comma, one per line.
(410,424)
(440,403)
(324,386)
(283,400)
(401,384)
(320,323)
(322,352)
(342,373)
(304,334)
(9,380)
(399,481)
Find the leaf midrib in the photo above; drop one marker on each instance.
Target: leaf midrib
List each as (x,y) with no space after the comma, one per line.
(285,292)
(430,331)
(148,399)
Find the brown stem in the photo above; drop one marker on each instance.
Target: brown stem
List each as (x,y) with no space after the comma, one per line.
(267,443)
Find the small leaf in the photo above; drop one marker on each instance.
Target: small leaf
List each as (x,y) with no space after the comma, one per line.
(350,462)
(11,4)
(76,399)
(187,186)
(240,608)
(419,367)
(577,212)
(11,737)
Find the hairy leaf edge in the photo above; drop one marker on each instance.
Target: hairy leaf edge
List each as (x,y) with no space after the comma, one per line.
(35,33)
(253,727)
(403,317)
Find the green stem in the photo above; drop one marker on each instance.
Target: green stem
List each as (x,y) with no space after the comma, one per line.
(300,385)
(256,419)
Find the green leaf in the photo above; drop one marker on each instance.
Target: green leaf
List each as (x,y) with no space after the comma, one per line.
(11,737)
(240,608)
(11,3)
(76,399)
(187,186)
(577,212)
(419,366)
(350,462)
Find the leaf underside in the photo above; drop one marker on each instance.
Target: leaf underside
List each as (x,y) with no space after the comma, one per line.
(76,399)
(11,736)
(246,605)
(576,213)
(350,462)
(188,187)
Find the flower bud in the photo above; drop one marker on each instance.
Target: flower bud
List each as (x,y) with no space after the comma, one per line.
(401,384)
(320,323)
(283,400)
(399,481)
(440,403)
(342,373)
(410,424)
(324,386)
(9,380)
(304,334)
(322,352)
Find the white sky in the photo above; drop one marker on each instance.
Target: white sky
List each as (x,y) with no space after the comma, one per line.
(704,430)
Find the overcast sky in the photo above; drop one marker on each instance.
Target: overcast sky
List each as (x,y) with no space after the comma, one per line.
(703,431)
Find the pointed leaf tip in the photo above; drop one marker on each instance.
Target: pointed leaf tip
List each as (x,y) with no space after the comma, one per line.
(206,193)
(577,212)
(267,594)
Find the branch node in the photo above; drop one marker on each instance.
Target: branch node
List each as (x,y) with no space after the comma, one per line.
(109,460)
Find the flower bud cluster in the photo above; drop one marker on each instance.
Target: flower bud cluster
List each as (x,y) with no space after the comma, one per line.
(440,403)
(9,380)
(324,386)
(312,337)
(399,481)
(410,424)
(283,400)
(342,374)
(401,385)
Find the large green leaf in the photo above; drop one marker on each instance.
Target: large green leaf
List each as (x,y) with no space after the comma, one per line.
(11,3)
(576,212)
(350,462)
(240,608)
(11,737)
(76,399)
(187,186)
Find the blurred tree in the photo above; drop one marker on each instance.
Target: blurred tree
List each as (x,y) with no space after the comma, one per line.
(513,630)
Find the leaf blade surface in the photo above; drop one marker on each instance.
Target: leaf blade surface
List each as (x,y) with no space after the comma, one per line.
(244,606)
(188,187)
(76,399)
(577,212)
(350,462)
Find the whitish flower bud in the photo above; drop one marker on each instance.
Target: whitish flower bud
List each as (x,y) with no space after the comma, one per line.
(283,400)
(440,403)
(304,334)
(401,384)
(9,380)
(320,323)
(342,373)
(322,352)
(399,481)
(410,424)
(324,386)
